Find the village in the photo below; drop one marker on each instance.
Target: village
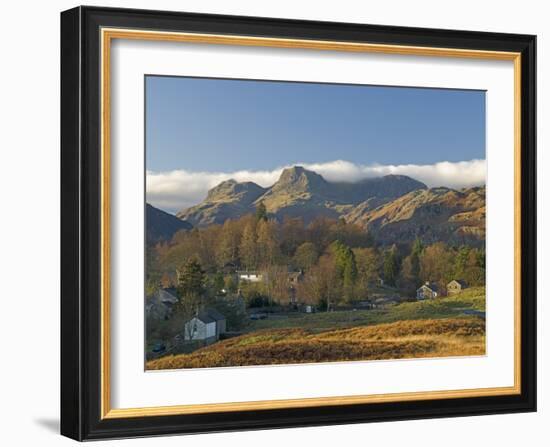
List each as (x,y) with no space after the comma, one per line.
(208,323)
(256,275)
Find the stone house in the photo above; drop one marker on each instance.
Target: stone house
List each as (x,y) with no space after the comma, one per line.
(456,286)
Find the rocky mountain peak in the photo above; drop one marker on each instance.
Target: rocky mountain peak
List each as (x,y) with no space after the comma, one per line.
(299,178)
(231,187)
(302,193)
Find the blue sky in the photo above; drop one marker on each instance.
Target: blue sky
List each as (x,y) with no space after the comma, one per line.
(200,132)
(225,125)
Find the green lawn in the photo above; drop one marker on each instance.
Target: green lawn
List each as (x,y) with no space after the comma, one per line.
(449,307)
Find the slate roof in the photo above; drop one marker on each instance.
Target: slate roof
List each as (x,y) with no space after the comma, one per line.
(213,313)
(432,286)
(168,295)
(210,316)
(205,318)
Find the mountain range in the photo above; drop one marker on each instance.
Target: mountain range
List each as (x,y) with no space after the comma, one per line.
(297,193)
(394,208)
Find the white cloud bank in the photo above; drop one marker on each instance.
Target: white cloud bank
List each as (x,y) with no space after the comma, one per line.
(179,189)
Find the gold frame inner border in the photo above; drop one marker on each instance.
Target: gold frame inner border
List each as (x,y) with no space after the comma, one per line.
(107,35)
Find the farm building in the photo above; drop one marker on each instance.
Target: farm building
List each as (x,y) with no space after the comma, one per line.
(429,290)
(456,286)
(160,304)
(207,326)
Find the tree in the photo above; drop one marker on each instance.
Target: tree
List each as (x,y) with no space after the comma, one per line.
(351,234)
(234,312)
(228,247)
(306,256)
(436,263)
(261,212)
(345,260)
(218,282)
(368,269)
(339,230)
(166,280)
(408,280)
(321,284)
(186,308)
(346,268)
(151,285)
(474,273)
(319,232)
(331,289)
(231,284)
(267,246)
(369,264)
(391,266)
(461,262)
(199,244)
(292,234)
(348,282)
(209,243)
(191,279)
(277,287)
(416,252)
(248,247)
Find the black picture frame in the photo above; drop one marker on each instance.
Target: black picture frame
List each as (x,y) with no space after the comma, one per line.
(81,224)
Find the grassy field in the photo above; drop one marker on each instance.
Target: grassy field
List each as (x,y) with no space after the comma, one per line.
(435,328)
(471,299)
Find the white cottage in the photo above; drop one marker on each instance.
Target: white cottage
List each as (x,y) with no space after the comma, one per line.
(429,290)
(206,326)
(250,276)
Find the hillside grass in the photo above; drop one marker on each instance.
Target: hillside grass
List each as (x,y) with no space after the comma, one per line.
(447,307)
(398,340)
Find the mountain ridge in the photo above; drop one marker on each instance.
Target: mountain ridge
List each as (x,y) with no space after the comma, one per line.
(393,208)
(161,225)
(433,214)
(298,192)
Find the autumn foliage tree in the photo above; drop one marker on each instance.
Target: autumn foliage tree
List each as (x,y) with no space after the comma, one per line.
(322,285)
(323,249)
(248,248)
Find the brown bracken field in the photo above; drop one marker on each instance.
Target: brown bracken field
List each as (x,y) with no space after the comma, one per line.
(397,340)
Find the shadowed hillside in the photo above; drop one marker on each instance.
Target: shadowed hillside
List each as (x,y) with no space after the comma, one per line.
(161,225)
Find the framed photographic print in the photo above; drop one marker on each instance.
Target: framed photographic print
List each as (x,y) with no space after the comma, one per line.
(276,223)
